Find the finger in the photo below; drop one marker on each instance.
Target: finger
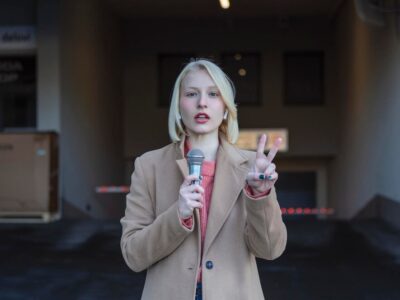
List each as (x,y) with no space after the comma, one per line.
(255,176)
(273,176)
(199,189)
(270,169)
(194,189)
(261,164)
(188,180)
(274,149)
(261,146)
(195,204)
(195,197)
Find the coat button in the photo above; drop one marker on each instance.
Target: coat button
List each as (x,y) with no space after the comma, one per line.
(209,264)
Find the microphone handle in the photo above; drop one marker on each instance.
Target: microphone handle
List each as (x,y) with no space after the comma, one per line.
(195,169)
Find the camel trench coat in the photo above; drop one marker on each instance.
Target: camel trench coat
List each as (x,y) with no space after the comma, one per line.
(239,229)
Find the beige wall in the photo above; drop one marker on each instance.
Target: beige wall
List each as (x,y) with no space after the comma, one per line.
(312,130)
(368,89)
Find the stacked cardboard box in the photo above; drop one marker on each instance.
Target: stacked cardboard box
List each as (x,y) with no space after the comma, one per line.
(29,175)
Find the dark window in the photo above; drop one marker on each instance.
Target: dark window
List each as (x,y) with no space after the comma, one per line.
(17,92)
(244,70)
(304,78)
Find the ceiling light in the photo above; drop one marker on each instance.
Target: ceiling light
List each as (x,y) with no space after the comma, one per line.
(238,56)
(224,4)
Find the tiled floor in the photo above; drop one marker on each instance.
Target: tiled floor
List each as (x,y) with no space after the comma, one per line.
(82,260)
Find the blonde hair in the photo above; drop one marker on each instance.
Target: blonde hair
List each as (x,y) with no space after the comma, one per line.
(228,127)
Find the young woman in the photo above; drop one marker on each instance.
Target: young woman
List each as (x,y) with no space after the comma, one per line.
(200,241)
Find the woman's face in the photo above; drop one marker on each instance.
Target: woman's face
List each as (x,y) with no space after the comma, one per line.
(202,108)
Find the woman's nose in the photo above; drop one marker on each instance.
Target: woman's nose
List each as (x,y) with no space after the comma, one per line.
(202,100)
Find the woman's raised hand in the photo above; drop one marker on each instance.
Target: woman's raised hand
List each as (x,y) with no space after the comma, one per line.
(263,176)
(190,197)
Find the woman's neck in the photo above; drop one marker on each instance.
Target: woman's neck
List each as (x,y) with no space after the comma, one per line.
(207,143)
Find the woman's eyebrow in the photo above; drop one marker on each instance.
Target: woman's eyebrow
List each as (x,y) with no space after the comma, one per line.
(196,88)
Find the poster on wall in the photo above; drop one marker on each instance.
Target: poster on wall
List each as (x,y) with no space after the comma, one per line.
(248,138)
(17,38)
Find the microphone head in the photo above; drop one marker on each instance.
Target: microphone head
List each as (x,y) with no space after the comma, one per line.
(195,159)
(195,156)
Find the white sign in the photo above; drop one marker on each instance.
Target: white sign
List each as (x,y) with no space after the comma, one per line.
(17,38)
(248,138)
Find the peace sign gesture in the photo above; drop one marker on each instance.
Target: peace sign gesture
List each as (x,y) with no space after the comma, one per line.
(262,177)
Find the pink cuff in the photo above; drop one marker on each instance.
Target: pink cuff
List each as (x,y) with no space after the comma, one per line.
(188,222)
(249,190)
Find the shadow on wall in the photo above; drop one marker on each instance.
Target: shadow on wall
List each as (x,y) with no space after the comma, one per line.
(112,204)
(382,208)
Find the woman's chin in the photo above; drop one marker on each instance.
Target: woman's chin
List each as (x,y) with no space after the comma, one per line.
(203,131)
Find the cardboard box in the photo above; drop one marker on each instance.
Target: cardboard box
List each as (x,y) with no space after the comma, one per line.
(28,173)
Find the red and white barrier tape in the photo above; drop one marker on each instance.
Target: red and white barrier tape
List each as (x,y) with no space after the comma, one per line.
(112,189)
(306,211)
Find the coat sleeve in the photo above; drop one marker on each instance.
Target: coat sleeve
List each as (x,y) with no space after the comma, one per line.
(265,232)
(147,238)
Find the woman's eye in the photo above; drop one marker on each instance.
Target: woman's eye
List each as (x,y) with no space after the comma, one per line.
(191,94)
(214,94)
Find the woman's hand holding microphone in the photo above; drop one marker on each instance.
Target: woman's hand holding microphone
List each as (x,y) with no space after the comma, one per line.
(190,197)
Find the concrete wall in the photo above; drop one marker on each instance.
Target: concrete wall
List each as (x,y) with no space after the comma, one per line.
(91,113)
(103,101)
(43,15)
(78,95)
(312,130)
(48,65)
(17,12)
(368,89)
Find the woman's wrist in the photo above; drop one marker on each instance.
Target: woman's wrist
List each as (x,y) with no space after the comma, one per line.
(256,193)
(186,221)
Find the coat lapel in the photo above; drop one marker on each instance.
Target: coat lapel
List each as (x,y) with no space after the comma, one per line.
(183,167)
(229,181)
(180,158)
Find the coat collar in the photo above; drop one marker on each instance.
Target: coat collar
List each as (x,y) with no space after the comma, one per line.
(229,181)
(234,157)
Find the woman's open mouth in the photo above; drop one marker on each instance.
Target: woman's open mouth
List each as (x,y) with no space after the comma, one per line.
(201,118)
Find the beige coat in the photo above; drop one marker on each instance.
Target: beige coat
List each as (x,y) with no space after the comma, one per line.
(238,230)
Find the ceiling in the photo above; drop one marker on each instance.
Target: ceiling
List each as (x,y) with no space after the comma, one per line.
(211,8)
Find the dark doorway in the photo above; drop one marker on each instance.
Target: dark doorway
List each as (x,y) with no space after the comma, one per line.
(296,193)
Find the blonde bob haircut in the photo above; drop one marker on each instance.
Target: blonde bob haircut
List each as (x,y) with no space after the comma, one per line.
(229,126)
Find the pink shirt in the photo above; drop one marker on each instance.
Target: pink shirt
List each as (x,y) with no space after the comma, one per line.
(207,182)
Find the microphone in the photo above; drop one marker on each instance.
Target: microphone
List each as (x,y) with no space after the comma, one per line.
(195,159)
